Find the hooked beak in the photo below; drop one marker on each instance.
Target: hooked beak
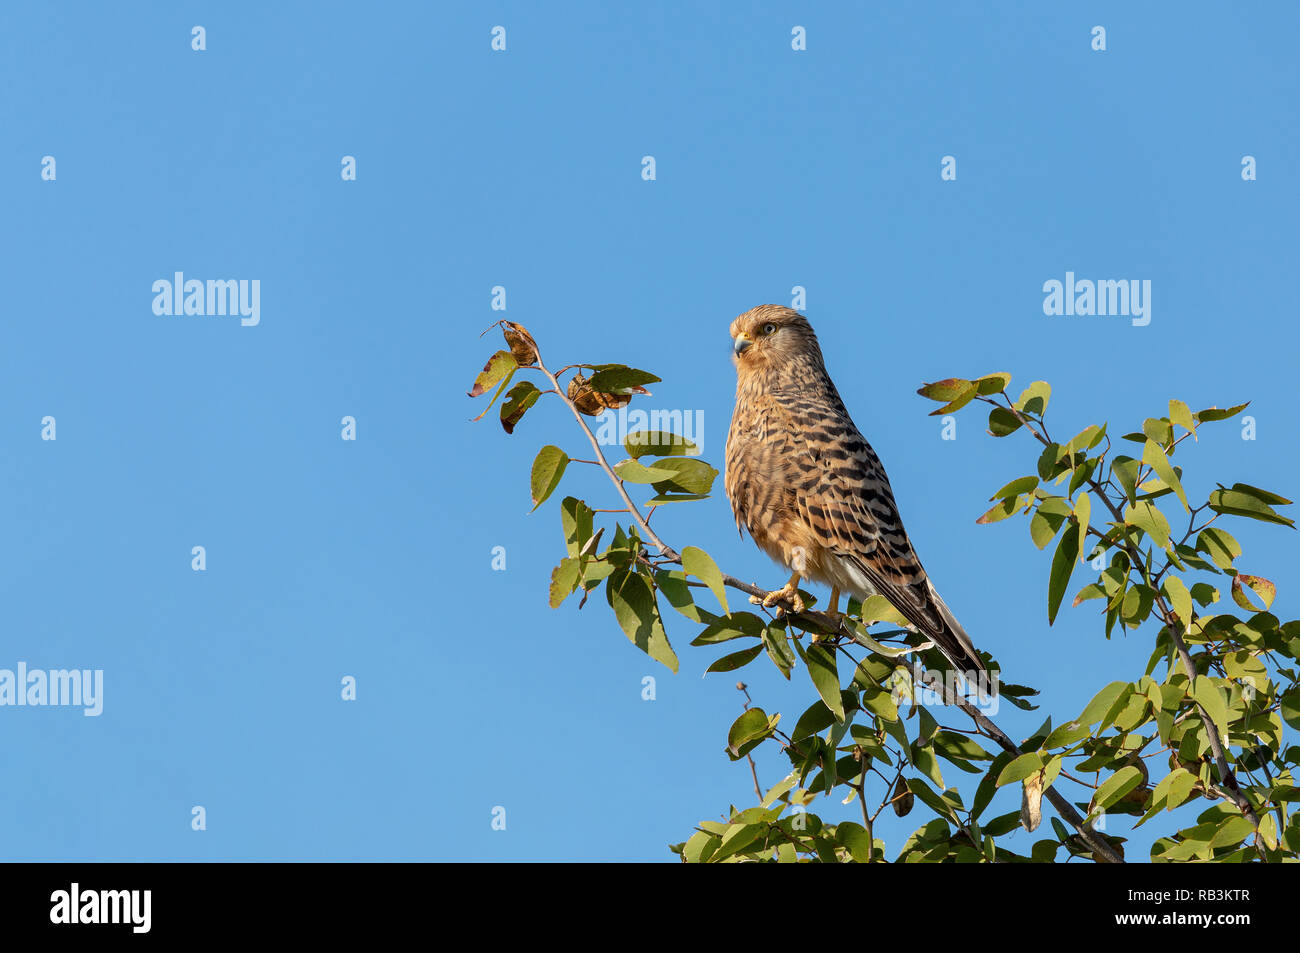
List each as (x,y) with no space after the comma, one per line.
(742,342)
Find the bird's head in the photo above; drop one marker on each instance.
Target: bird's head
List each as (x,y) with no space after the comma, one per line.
(770,336)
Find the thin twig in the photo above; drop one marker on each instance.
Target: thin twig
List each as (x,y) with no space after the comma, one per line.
(664,548)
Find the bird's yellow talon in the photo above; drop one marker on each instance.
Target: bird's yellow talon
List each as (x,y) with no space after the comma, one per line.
(787,593)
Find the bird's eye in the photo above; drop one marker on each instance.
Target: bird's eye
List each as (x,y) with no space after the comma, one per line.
(769,328)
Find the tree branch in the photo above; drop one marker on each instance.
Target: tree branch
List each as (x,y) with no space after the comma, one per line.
(825,622)
(1226,775)
(664,548)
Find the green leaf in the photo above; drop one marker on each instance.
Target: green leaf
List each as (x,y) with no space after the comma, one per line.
(821,666)
(1179,598)
(598,570)
(1181,414)
(1264,495)
(931,800)
(1159,430)
(1049,463)
(1047,519)
(1024,484)
(994,383)
(951,743)
(946,390)
(1258,585)
(817,718)
(1020,768)
(1068,734)
(548,467)
(1173,789)
(864,638)
(619,379)
(1102,702)
(518,399)
(879,702)
(780,788)
(1137,605)
(1125,470)
(1082,474)
(700,847)
(960,401)
(663,498)
(498,366)
(1082,512)
(778,648)
(1232,831)
(747,732)
(630,471)
(1003,823)
(1290,708)
(729,663)
(1147,517)
(672,585)
(1154,457)
(926,762)
(1211,697)
(876,608)
(577,520)
(1116,786)
(1242,664)
(1090,591)
(687,475)
(696,562)
(1000,511)
(1034,398)
(854,836)
(1003,422)
(1067,554)
(564,579)
(1219,545)
(736,839)
(496,394)
(1214,413)
(1239,501)
(658,443)
(1087,438)
(736,626)
(633,602)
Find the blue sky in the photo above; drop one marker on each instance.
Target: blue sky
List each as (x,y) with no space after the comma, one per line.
(373,558)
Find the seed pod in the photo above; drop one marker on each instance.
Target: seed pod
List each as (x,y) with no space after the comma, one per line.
(594,402)
(521,343)
(903,798)
(584,398)
(1031,802)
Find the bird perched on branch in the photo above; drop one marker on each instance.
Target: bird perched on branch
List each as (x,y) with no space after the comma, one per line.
(811,491)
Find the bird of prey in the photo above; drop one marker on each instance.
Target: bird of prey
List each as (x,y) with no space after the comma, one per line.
(812,492)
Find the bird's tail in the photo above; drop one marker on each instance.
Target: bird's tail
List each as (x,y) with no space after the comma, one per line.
(952,640)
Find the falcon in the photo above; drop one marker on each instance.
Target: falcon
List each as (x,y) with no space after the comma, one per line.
(810,490)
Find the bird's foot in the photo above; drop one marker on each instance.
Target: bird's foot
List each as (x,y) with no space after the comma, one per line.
(789,593)
(833,610)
